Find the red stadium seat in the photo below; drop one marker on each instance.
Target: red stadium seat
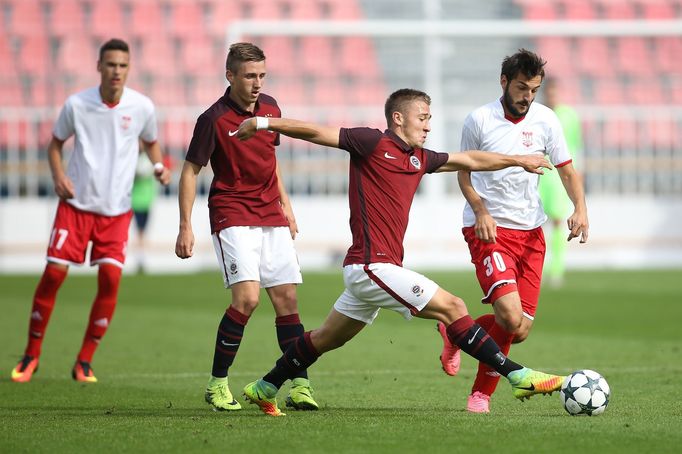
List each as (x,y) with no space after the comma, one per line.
(534,10)
(557,51)
(167,91)
(186,20)
(318,57)
(106,21)
(199,58)
(34,55)
(329,92)
(357,57)
(67,18)
(344,9)
(657,9)
(593,57)
(633,56)
(207,90)
(305,9)
(287,92)
(220,14)
(10,90)
(667,51)
(76,55)
(620,133)
(578,10)
(279,51)
(646,91)
(618,10)
(146,19)
(157,56)
(26,18)
(607,91)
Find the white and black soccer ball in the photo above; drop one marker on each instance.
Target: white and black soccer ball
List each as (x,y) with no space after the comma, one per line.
(585,392)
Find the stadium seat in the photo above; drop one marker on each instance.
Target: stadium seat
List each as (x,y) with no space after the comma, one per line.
(344,9)
(329,91)
(205,91)
(279,51)
(199,58)
(662,134)
(76,55)
(578,10)
(357,57)
(287,92)
(25,18)
(607,91)
(646,90)
(317,56)
(305,10)
(34,55)
(618,10)
(620,133)
(106,20)
(175,133)
(558,53)
(657,9)
(186,19)
(146,19)
(220,13)
(66,17)
(10,90)
(667,51)
(593,57)
(167,90)
(534,10)
(157,56)
(633,56)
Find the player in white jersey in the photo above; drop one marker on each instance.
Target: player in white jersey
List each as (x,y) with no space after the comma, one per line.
(108,123)
(503,214)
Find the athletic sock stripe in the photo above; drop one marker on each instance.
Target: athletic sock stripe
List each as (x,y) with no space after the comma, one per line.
(479,344)
(387,289)
(231,336)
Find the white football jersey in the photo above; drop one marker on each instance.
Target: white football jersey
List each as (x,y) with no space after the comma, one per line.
(106,148)
(511,194)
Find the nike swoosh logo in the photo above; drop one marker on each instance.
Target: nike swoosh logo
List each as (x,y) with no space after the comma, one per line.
(231,133)
(527,388)
(227,344)
(388,156)
(474,336)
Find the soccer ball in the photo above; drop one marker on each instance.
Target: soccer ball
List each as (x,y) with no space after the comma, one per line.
(585,392)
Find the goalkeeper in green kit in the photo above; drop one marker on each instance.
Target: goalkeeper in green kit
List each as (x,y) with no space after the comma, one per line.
(555,201)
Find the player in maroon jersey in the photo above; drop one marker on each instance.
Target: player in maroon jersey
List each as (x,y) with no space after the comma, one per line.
(252,222)
(385,170)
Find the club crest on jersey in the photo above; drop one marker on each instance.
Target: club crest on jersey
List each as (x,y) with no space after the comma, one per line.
(417,290)
(415,162)
(125,122)
(527,139)
(233,267)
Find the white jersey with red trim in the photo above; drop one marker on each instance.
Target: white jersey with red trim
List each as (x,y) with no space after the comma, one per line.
(511,195)
(106,148)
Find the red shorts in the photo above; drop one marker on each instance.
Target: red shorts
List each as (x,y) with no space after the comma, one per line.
(513,263)
(74,228)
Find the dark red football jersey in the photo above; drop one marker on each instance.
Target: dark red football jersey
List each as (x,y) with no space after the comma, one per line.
(384,175)
(244,188)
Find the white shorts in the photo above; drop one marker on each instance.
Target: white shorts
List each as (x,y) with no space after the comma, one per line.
(261,254)
(383,285)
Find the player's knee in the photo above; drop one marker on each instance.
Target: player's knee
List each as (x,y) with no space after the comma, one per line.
(246,304)
(456,308)
(511,322)
(521,334)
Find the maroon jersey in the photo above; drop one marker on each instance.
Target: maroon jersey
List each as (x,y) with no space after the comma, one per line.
(384,175)
(244,189)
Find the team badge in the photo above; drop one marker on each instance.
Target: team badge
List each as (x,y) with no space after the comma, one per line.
(415,162)
(125,122)
(417,290)
(233,267)
(527,139)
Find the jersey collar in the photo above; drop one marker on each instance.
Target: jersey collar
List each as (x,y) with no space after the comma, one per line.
(509,117)
(236,107)
(398,141)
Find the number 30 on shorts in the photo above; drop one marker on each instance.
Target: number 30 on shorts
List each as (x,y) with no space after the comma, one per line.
(494,258)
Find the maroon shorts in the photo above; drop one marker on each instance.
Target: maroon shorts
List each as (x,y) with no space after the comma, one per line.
(74,228)
(513,263)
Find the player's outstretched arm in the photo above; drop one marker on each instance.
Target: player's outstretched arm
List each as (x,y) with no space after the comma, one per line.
(184,245)
(476,160)
(310,132)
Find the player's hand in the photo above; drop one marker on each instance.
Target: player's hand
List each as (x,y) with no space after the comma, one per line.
(578,226)
(184,245)
(164,176)
(486,228)
(64,188)
(247,129)
(293,226)
(534,163)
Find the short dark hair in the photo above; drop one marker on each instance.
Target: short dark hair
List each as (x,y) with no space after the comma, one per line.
(399,99)
(240,53)
(525,62)
(113,44)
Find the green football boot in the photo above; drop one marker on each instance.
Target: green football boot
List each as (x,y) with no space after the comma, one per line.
(301,395)
(219,396)
(264,395)
(528,382)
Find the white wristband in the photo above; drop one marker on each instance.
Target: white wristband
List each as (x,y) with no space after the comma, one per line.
(262,123)
(159,167)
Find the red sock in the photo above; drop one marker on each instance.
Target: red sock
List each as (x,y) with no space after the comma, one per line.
(486,321)
(43,303)
(486,378)
(108,278)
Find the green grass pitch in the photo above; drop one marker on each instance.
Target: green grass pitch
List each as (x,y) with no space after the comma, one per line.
(382,392)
